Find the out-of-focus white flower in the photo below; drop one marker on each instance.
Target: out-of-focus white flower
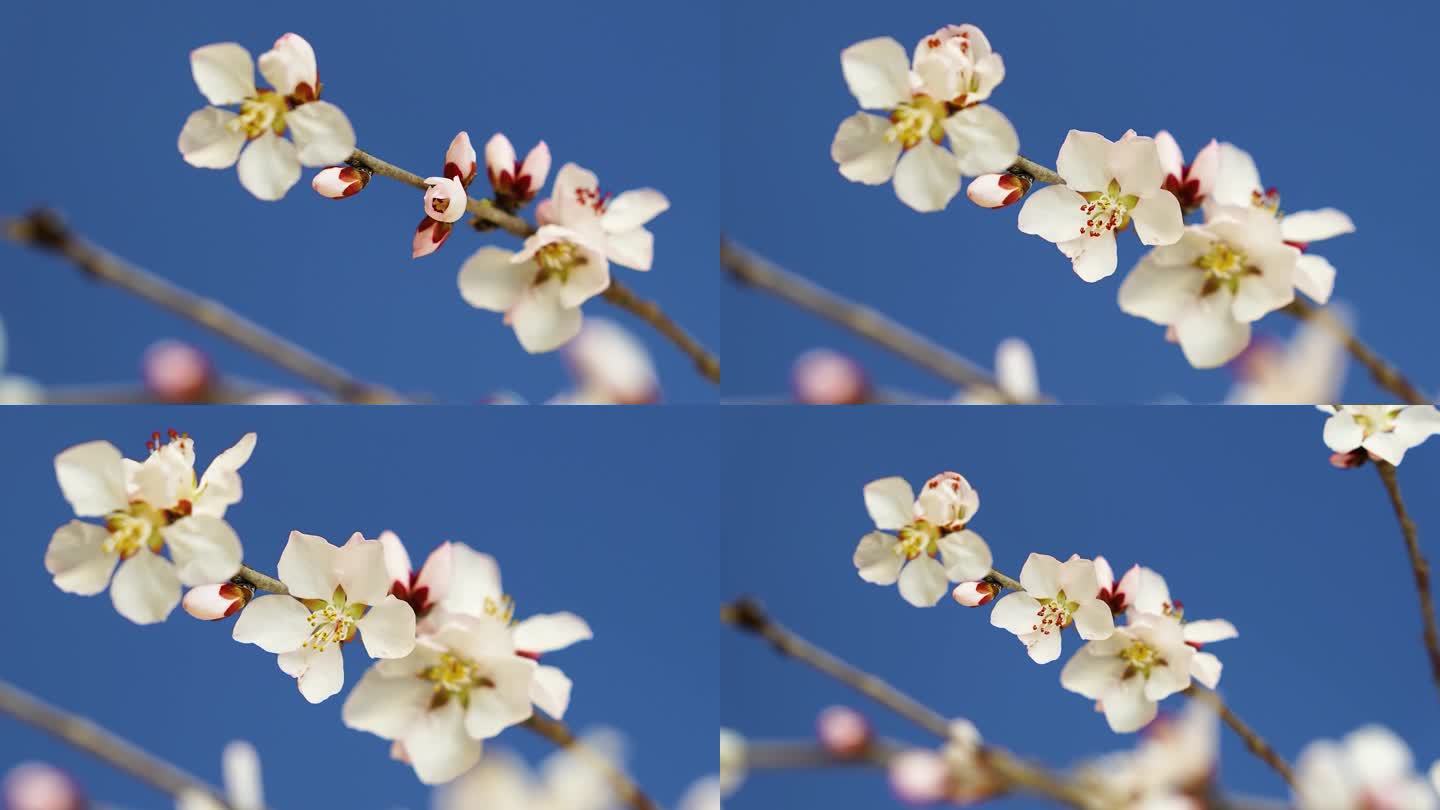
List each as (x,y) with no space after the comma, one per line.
(733,764)
(176,372)
(924,556)
(1237,183)
(919,776)
(147,506)
(16,390)
(703,795)
(1140,664)
(541,288)
(1056,595)
(1176,758)
(1371,767)
(1385,431)
(213,137)
(1108,186)
(611,367)
(827,377)
(614,224)
(1191,183)
(462,684)
(843,732)
(240,766)
(1214,282)
(1015,377)
(334,593)
(516,182)
(565,780)
(936,96)
(1307,370)
(38,786)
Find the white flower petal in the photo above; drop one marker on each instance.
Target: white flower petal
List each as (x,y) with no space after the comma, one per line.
(923,582)
(323,135)
(325,675)
(876,559)
(1160,292)
(208,142)
(205,549)
(92,478)
(475,578)
(224,72)
(290,64)
(1315,277)
(1054,213)
(1040,576)
(438,747)
(308,566)
(269,167)
(386,706)
(550,690)
(632,209)
(490,280)
(1343,433)
(1093,620)
(633,249)
(965,556)
(360,568)
(77,559)
(145,588)
(388,629)
(1016,612)
(541,323)
(927,177)
(1126,707)
(983,140)
(494,709)
(1206,668)
(1082,161)
(1209,334)
(1135,164)
(877,72)
(862,150)
(550,632)
(890,502)
(1158,220)
(275,623)
(1314,226)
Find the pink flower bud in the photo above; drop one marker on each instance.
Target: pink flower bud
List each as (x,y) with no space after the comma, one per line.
(1350,460)
(176,372)
(499,159)
(429,236)
(460,160)
(37,786)
(974,594)
(825,377)
(339,182)
(535,168)
(515,182)
(211,602)
(919,777)
(843,732)
(445,200)
(948,501)
(997,190)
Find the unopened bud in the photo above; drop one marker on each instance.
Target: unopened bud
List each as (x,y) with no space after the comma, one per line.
(825,377)
(339,182)
(515,181)
(919,777)
(37,786)
(974,594)
(1350,460)
(211,602)
(176,372)
(460,160)
(997,190)
(843,732)
(429,236)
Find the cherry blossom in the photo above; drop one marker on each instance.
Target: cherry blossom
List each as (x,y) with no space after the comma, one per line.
(1385,431)
(1371,767)
(565,780)
(1140,664)
(936,96)
(1237,183)
(461,684)
(1143,591)
(540,289)
(1191,183)
(269,165)
(1310,368)
(948,501)
(1175,760)
(1212,283)
(334,593)
(1108,186)
(616,225)
(425,589)
(515,182)
(240,765)
(147,506)
(445,199)
(1056,595)
(919,776)
(611,367)
(924,555)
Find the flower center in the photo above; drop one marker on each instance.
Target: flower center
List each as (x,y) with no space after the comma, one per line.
(915,120)
(133,528)
(1054,614)
(1268,200)
(1376,419)
(1140,658)
(332,622)
(454,677)
(1107,210)
(918,538)
(557,259)
(1224,267)
(261,112)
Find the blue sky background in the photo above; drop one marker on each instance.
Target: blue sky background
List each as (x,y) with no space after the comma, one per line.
(579,516)
(1238,508)
(1322,98)
(622,89)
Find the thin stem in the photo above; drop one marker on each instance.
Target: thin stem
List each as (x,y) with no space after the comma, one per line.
(618,294)
(749,616)
(45,230)
(775,755)
(104,745)
(1418,566)
(753,271)
(1024,165)
(264,582)
(559,734)
(1253,741)
(1385,374)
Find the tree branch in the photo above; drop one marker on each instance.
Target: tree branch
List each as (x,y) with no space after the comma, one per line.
(559,734)
(1418,566)
(618,294)
(102,744)
(45,230)
(1253,741)
(1381,371)
(753,271)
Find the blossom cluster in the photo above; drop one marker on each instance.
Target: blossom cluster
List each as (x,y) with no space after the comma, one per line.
(455,668)
(540,288)
(1206,281)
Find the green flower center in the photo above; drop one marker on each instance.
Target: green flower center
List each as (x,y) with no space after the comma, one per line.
(915,120)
